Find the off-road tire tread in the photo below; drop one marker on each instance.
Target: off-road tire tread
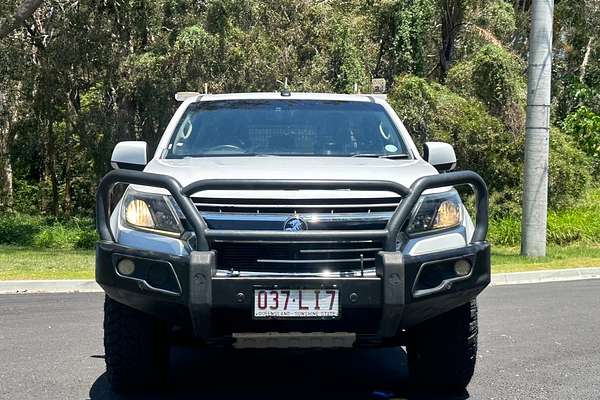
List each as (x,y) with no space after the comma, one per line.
(442,351)
(136,348)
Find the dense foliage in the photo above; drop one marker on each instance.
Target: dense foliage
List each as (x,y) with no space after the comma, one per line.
(577,224)
(584,126)
(79,76)
(485,144)
(47,232)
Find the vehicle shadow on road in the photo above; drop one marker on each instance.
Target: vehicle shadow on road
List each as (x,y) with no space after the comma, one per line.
(262,374)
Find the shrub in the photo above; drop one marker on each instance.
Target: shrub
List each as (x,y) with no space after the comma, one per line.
(19,229)
(567,226)
(38,231)
(193,43)
(583,126)
(499,18)
(87,239)
(30,198)
(483,143)
(480,140)
(579,223)
(495,77)
(346,67)
(413,99)
(34,198)
(505,231)
(569,171)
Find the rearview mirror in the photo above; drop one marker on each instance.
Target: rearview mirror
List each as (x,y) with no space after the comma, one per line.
(441,155)
(130,155)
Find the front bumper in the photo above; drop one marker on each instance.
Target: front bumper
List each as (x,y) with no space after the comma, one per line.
(187,291)
(405,291)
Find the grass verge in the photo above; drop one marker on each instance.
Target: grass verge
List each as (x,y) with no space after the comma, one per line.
(507,259)
(27,263)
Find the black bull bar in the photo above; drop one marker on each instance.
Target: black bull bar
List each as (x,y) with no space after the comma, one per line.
(396,223)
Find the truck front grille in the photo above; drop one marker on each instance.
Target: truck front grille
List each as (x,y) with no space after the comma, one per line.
(296,206)
(366,213)
(296,256)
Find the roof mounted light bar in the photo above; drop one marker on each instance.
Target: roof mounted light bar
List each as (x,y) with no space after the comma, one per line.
(378,85)
(183,96)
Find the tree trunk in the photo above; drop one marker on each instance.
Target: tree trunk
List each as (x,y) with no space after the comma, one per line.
(382,35)
(451,15)
(24,11)
(537,135)
(73,124)
(6,175)
(586,59)
(67,204)
(51,149)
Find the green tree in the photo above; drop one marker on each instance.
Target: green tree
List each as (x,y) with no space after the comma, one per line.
(405,31)
(494,76)
(583,126)
(77,77)
(483,143)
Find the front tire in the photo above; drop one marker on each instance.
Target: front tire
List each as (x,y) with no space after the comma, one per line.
(442,351)
(136,347)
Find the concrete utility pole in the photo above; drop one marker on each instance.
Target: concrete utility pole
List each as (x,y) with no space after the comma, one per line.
(535,182)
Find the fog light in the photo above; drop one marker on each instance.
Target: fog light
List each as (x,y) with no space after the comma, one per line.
(462,267)
(126,267)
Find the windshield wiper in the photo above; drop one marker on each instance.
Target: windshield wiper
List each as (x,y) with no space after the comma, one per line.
(390,156)
(396,156)
(230,155)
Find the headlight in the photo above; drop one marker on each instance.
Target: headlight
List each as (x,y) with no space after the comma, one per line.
(436,211)
(151,212)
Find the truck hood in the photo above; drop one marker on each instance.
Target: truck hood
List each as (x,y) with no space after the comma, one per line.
(189,170)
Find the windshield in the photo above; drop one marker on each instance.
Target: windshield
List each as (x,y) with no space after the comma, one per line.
(286,128)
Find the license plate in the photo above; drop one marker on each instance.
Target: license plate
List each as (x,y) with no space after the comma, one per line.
(296,303)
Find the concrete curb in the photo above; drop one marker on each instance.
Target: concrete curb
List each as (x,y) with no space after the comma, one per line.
(90,286)
(557,275)
(49,286)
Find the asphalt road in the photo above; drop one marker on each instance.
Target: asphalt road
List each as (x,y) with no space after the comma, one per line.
(537,341)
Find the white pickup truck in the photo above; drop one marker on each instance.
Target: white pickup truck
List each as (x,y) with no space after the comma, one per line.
(290,220)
